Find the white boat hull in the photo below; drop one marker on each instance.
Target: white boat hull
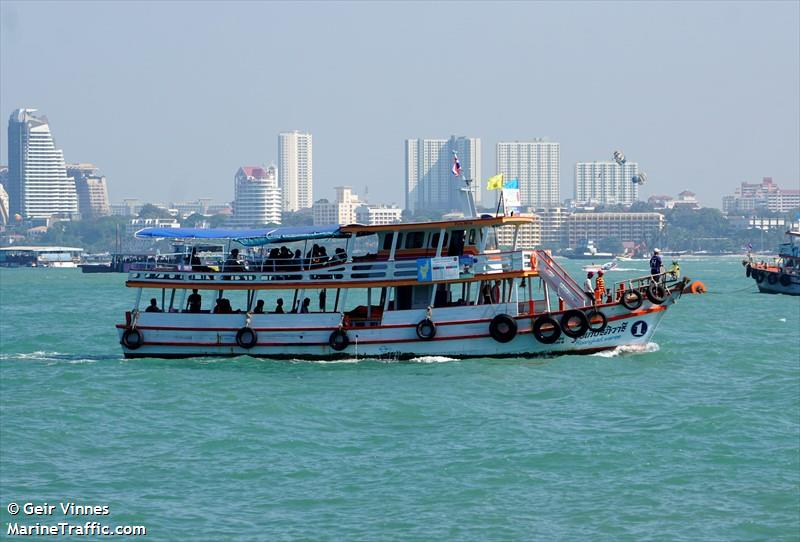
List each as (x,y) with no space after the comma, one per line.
(461,332)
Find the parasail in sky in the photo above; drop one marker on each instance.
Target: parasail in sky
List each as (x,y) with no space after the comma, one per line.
(619,157)
(640,178)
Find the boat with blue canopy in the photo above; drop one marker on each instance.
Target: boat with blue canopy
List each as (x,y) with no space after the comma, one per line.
(396,290)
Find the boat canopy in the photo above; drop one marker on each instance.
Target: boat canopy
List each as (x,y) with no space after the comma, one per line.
(248,238)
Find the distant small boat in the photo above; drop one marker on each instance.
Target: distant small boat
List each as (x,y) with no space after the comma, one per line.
(588,252)
(608,266)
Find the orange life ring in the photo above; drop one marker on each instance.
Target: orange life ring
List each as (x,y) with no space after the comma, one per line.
(533,261)
(697,287)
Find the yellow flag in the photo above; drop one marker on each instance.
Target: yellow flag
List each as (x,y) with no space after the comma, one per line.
(495,183)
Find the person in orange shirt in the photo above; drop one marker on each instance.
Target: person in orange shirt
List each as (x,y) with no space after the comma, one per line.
(599,287)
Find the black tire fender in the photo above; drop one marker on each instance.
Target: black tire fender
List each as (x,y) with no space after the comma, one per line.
(540,336)
(772,278)
(246,338)
(339,340)
(572,317)
(592,317)
(748,271)
(785,280)
(656,293)
(631,299)
(426,329)
(503,328)
(132,338)
(759,275)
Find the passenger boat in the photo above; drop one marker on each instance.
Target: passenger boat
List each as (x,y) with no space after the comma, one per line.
(782,276)
(391,291)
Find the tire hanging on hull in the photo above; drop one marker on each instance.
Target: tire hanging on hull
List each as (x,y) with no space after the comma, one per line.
(503,328)
(132,338)
(539,332)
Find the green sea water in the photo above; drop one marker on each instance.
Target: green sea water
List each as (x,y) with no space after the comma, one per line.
(695,438)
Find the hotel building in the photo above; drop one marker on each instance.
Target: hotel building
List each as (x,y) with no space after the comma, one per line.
(536,164)
(295,170)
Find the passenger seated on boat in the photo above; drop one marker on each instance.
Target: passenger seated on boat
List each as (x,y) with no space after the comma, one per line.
(194,301)
(279,306)
(223,306)
(339,255)
(153,307)
(259,307)
(486,294)
(233,263)
(496,292)
(323,297)
(304,308)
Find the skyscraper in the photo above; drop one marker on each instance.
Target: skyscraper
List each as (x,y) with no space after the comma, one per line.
(430,183)
(38,185)
(257,197)
(606,183)
(536,164)
(91,188)
(295,170)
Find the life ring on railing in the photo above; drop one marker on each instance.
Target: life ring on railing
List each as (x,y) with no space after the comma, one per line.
(574,323)
(246,337)
(539,330)
(132,338)
(503,328)
(656,293)
(592,318)
(339,340)
(785,279)
(631,299)
(426,329)
(772,278)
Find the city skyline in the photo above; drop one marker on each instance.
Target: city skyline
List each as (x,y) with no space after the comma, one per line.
(647,90)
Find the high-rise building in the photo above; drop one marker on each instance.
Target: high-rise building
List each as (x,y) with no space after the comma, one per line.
(38,185)
(341,211)
(763,196)
(295,170)
(430,182)
(606,183)
(91,188)
(536,164)
(4,218)
(257,197)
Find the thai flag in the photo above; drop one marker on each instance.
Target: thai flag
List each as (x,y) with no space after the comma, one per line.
(456,166)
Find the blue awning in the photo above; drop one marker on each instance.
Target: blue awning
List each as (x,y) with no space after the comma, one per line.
(249,238)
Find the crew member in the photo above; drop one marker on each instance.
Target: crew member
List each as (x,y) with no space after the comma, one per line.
(599,287)
(655,264)
(153,306)
(588,287)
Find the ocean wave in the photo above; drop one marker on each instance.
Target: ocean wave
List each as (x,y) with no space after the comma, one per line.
(41,355)
(432,359)
(629,349)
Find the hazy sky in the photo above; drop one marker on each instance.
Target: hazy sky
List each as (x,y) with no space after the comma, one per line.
(169,99)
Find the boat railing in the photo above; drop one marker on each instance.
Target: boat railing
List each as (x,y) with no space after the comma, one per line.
(167,268)
(642,283)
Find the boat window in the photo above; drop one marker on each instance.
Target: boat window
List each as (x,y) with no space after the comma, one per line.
(387,240)
(456,246)
(415,239)
(491,239)
(365,245)
(435,240)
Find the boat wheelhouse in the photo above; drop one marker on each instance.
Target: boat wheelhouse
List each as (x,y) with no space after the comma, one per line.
(390,291)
